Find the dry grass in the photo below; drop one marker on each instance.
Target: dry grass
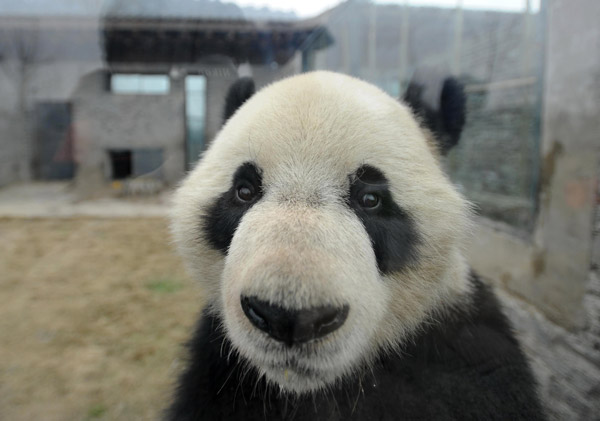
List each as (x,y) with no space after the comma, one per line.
(93,315)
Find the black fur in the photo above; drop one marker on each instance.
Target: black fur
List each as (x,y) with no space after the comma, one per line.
(226,213)
(392,231)
(238,93)
(447,122)
(466,367)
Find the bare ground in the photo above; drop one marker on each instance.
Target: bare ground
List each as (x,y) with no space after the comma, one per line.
(93,315)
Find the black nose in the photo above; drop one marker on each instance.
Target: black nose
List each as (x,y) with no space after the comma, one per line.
(293,326)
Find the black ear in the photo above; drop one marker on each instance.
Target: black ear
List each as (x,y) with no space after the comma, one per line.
(238,93)
(453,110)
(447,122)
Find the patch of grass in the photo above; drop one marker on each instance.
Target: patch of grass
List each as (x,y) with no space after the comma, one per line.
(96,411)
(164,286)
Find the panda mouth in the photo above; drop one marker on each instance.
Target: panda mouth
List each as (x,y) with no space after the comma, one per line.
(296,368)
(302,367)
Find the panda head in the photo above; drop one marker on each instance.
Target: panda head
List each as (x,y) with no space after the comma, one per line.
(322,228)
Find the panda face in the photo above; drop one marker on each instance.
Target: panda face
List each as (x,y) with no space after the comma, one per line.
(322,229)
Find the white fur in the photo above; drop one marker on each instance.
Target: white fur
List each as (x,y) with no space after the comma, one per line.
(300,246)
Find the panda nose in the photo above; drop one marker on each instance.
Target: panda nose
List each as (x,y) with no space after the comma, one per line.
(293,326)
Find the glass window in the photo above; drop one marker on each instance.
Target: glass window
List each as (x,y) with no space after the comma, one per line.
(195,117)
(189,52)
(121,83)
(494,48)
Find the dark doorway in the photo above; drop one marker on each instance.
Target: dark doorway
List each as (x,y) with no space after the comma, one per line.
(120,163)
(53,158)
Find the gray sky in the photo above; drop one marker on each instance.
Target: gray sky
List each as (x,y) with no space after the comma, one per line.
(307,8)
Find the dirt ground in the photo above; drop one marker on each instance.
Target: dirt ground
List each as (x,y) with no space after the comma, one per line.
(93,315)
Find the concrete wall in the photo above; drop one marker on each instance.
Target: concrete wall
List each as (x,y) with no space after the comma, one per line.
(216,89)
(19,92)
(15,147)
(550,278)
(103,121)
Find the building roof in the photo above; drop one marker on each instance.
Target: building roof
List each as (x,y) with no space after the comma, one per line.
(181,9)
(187,40)
(161,40)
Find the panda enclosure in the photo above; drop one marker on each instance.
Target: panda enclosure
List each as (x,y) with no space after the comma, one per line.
(95,309)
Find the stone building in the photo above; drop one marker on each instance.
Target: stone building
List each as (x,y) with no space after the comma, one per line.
(159,101)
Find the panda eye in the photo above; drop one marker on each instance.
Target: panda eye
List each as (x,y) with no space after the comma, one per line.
(245,194)
(369,201)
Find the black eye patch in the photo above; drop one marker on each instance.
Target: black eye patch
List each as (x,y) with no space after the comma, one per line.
(225,214)
(392,231)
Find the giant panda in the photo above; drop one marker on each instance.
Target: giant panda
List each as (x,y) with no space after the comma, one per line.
(329,245)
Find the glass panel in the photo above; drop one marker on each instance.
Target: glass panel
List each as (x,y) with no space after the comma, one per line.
(125,84)
(139,84)
(493,47)
(59,49)
(195,83)
(195,117)
(154,84)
